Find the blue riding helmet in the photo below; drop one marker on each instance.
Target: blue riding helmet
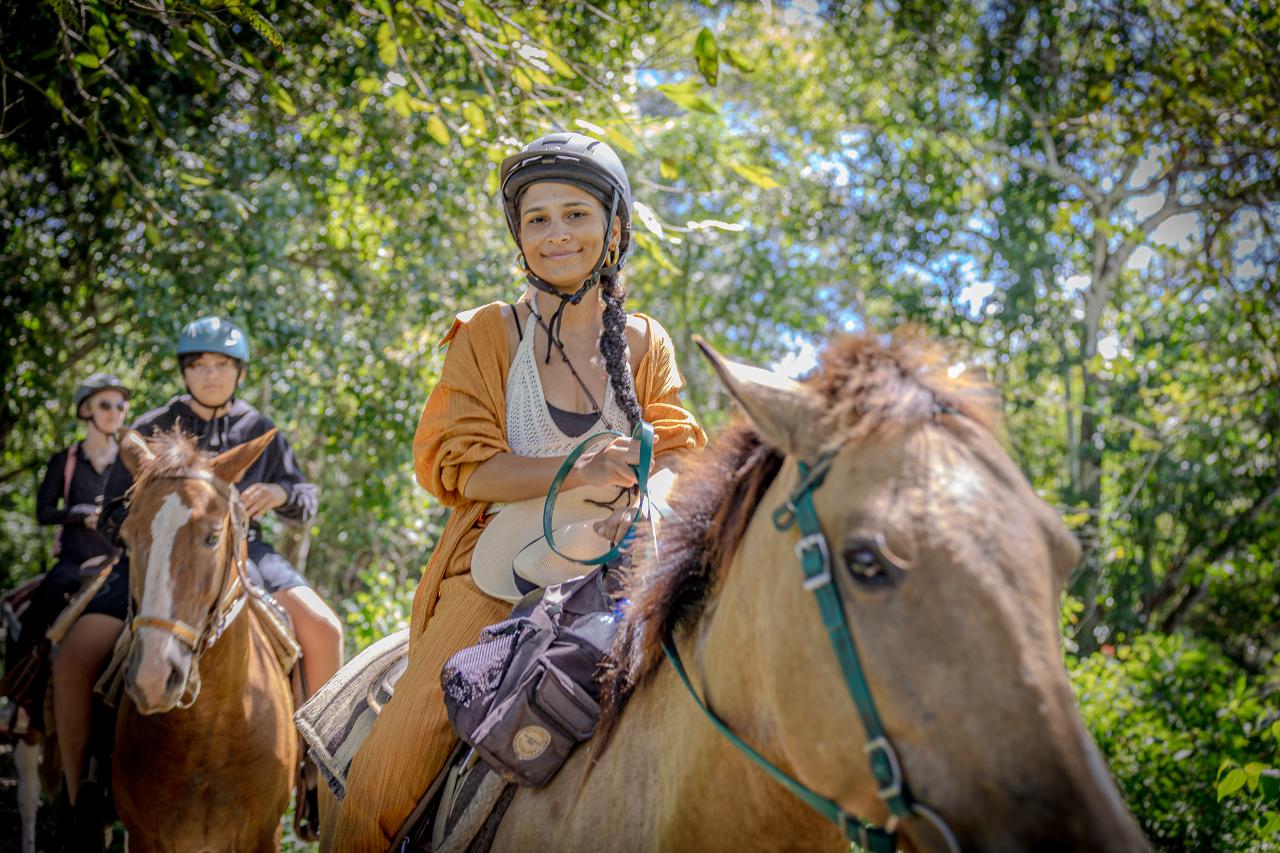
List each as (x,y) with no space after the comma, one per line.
(214,334)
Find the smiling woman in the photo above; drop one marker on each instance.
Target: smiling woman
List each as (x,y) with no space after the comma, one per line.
(521,383)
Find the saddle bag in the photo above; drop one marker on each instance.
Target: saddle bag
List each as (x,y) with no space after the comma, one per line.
(528,692)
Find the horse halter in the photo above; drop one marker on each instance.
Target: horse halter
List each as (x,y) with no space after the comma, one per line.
(815,558)
(227,604)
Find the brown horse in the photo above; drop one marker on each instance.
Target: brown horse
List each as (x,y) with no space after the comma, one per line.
(205,744)
(948,569)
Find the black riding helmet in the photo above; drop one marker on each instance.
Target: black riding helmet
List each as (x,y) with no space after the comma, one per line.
(95,383)
(588,163)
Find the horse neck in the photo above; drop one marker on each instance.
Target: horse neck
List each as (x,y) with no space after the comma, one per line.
(669,777)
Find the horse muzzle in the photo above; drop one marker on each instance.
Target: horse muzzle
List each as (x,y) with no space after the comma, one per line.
(158,669)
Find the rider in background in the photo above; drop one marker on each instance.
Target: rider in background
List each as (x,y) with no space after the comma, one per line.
(70,497)
(213,354)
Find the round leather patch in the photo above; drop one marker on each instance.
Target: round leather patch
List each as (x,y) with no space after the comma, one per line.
(530,742)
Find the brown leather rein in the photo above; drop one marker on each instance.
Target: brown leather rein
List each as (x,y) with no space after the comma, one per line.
(227,604)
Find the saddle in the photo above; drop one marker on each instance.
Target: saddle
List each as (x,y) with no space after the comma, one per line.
(520,701)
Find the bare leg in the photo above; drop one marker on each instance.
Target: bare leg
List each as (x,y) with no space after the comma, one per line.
(76,666)
(26,754)
(318,630)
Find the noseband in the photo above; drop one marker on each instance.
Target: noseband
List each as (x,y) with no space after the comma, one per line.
(226,605)
(815,558)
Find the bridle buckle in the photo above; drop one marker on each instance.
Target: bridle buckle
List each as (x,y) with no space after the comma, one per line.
(815,542)
(892,787)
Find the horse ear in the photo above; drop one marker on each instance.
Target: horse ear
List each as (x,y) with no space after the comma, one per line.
(230,465)
(134,451)
(788,415)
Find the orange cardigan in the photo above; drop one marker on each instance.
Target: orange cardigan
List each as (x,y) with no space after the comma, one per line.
(464,425)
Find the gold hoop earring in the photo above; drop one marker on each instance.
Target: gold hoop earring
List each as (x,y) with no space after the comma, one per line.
(522,262)
(611,259)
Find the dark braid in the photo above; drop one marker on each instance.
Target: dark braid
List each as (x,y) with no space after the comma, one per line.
(613,346)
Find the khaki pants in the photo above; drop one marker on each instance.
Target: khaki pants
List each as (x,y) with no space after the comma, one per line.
(412,737)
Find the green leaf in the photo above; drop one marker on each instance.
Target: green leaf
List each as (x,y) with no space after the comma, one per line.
(370,85)
(522,79)
(438,130)
(1075,519)
(259,24)
(707,55)
(654,250)
(622,140)
(401,103)
(683,95)
(98,40)
(1232,782)
(388,49)
(668,170)
(475,117)
(283,100)
(88,60)
(757,175)
(737,60)
(561,67)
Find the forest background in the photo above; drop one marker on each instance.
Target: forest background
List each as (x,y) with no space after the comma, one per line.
(1083,195)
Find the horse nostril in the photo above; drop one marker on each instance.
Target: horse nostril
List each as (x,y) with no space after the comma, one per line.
(175,681)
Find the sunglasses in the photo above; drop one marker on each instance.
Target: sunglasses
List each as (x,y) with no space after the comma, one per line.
(105,406)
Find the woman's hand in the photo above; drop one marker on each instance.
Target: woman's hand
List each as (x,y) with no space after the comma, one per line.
(611,464)
(261,498)
(615,526)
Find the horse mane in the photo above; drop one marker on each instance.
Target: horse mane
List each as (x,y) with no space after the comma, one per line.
(870,385)
(176,455)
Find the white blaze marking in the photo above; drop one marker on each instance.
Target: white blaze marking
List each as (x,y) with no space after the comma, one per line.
(157,597)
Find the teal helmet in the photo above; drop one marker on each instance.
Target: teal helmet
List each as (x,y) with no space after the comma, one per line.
(214,334)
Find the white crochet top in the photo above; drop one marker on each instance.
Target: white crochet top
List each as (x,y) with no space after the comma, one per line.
(530,429)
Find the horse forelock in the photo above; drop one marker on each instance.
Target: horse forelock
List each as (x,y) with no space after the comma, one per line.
(871,385)
(175,455)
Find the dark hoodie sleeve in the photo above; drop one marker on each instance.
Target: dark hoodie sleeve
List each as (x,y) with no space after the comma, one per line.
(114,510)
(50,494)
(303,497)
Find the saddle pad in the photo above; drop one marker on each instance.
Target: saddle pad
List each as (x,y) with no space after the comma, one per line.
(336,720)
(478,807)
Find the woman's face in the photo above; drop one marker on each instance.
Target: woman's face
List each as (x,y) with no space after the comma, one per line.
(106,409)
(212,377)
(562,232)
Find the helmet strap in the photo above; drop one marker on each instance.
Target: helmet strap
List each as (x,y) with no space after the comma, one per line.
(92,421)
(213,407)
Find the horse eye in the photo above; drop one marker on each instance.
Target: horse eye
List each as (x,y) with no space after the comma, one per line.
(867,566)
(211,539)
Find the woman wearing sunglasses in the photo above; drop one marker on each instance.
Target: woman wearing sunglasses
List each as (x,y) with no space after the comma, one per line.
(70,497)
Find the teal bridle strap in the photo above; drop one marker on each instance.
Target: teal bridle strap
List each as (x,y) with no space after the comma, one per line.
(815,559)
(869,837)
(643,434)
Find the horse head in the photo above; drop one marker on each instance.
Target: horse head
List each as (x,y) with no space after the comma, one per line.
(186,537)
(948,570)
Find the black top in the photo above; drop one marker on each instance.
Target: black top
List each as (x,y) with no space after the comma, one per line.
(79,543)
(242,423)
(572,424)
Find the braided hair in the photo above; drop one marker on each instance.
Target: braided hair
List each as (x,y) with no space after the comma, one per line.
(613,346)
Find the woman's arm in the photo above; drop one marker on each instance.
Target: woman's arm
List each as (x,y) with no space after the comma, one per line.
(507,477)
(50,495)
